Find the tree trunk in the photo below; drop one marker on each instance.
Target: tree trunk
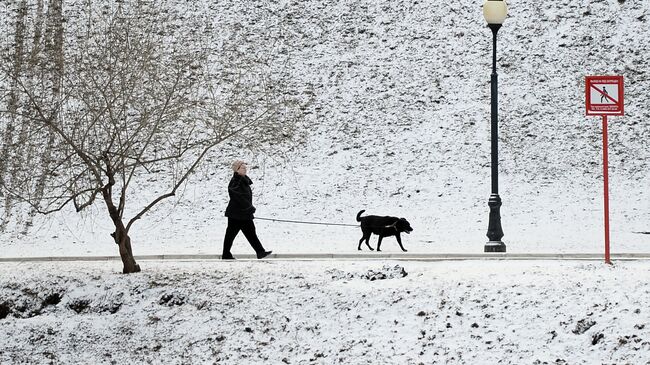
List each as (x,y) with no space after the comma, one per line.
(124,242)
(120,236)
(8,148)
(53,52)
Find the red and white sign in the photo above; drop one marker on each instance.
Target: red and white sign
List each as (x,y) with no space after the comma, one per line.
(604,95)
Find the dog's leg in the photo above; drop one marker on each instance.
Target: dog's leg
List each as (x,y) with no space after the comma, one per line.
(399,240)
(379,243)
(366,237)
(368,242)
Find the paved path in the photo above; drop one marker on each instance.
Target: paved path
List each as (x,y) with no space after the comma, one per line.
(354,256)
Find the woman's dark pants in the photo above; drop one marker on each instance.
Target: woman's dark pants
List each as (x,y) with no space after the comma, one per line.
(248,228)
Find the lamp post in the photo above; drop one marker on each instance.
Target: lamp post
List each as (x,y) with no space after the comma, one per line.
(495,12)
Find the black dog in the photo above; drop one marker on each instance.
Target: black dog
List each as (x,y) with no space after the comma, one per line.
(383,227)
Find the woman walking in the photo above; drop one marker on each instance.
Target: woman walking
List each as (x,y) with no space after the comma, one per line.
(240,212)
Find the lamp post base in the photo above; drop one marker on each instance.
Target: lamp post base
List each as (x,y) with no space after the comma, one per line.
(495,233)
(495,246)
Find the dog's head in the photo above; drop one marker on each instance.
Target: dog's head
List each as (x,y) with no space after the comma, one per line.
(403,225)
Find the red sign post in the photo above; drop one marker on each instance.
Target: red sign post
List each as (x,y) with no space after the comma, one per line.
(604,96)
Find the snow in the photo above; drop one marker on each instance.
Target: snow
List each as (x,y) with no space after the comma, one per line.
(323,312)
(400,126)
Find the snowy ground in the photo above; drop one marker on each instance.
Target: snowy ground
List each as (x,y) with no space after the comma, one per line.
(373,312)
(400,127)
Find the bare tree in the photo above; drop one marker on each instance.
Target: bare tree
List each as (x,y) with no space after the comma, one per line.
(10,97)
(137,96)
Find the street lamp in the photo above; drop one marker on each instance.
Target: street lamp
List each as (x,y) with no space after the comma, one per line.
(495,12)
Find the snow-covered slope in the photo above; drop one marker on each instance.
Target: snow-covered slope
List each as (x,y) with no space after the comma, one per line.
(472,312)
(400,126)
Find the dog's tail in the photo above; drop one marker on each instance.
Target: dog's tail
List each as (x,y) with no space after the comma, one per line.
(359,215)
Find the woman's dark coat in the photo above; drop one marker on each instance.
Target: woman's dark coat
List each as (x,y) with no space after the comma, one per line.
(240,205)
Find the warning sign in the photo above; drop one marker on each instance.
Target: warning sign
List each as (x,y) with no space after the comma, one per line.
(604,95)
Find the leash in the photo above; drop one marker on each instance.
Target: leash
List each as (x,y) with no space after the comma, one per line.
(394,225)
(304,222)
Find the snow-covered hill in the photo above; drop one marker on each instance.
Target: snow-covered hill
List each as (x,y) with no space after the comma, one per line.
(400,126)
(471,312)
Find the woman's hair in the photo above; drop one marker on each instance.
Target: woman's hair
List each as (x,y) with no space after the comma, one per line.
(237,164)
